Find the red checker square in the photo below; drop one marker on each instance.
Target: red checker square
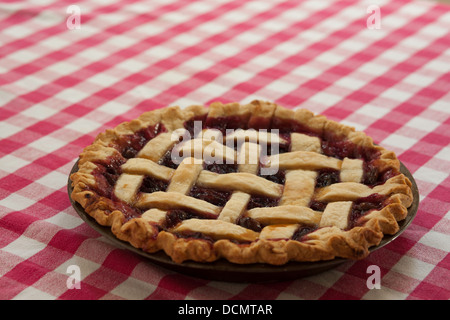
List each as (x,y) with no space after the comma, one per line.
(401,245)
(359,268)
(387,125)
(399,282)
(9,145)
(384,258)
(427,254)
(93,249)
(429,291)
(104,279)
(410,108)
(5,114)
(74,111)
(332,294)
(121,261)
(50,257)
(27,272)
(413,157)
(51,161)
(12,183)
(53,283)
(440,193)
(17,221)
(67,240)
(10,288)
(43,127)
(265,292)
(169,287)
(57,200)
(86,292)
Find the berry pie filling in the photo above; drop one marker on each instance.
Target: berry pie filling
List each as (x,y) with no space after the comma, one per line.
(108,172)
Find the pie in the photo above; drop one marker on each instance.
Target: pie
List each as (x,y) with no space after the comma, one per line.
(248,183)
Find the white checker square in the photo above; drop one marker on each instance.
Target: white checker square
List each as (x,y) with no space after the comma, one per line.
(412,267)
(306,71)
(327,279)
(199,63)
(330,58)
(282,86)
(133,289)
(399,141)
(47,144)
(397,95)
(54,180)
(350,83)
(443,154)
(416,43)
(158,53)
(237,75)
(440,105)
(373,111)
(419,80)
(71,95)
(436,240)
(356,125)
(29,83)
(395,55)
(102,79)
(185,39)
(25,55)
(374,69)
(93,54)
(325,98)
(32,293)
(384,293)
(54,43)
(65,220)
(172,76)
(439,65)
(250,37)
(114,108)
(40,112)
(120,41)
(430,175)
(131,65)
(212,88)
(226,50)
(18,31)
(265,61)
(16,202)
(86,267)
(24,247)
(423,124)
(7,130)
(10,163)
(84,125)
(63,68)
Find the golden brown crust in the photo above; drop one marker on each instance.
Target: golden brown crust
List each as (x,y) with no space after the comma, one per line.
(322,244)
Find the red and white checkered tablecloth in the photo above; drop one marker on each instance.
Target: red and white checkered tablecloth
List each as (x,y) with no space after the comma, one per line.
(61,85)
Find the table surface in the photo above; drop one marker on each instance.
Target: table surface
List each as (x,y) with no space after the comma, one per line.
(61,85)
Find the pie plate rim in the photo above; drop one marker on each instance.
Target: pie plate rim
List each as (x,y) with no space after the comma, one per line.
(223,270)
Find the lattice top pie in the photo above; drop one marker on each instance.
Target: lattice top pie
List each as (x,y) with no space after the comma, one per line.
(255,183)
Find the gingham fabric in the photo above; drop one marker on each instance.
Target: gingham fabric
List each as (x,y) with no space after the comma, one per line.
(61,85)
